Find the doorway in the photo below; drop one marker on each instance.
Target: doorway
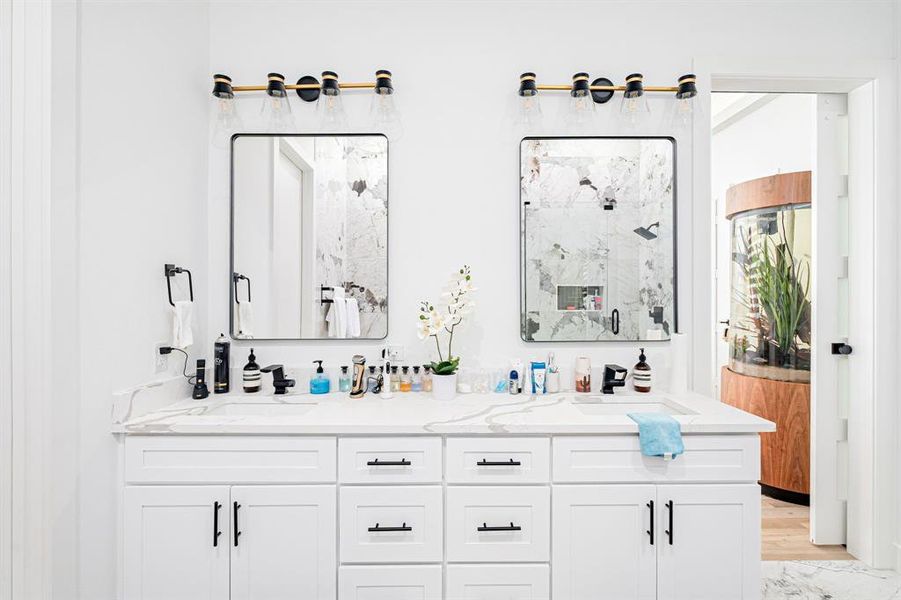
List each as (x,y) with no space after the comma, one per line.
(780,185)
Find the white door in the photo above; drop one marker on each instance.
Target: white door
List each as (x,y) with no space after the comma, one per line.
(604,542)
(708,545)
(172,551)
(283,542)
(830,384)
(287,237)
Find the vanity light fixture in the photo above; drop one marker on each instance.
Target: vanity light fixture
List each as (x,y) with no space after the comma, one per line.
(684,106)
(276,110)
(227,118)
(634,105)
(327,94)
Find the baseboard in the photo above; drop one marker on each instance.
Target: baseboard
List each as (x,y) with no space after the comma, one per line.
(785,495)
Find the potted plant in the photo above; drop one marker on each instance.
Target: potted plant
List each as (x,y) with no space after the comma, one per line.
(441,324)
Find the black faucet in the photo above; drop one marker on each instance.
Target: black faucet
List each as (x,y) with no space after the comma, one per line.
(279,382)
(614,376)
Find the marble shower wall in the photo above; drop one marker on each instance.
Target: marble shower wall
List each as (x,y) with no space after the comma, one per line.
(582,200)
(351,232)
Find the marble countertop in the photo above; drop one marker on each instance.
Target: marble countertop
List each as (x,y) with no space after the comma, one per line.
(420,414)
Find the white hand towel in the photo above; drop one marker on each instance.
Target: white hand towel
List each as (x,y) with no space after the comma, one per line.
(245,319)
(337,315)
(182,337)
(353,318)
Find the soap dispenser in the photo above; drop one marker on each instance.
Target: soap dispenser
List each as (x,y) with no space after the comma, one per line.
(641,374)
(344,381)
(319,383)
(252,376)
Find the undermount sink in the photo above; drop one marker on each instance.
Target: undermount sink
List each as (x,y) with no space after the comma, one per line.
(611,405)
(262,409)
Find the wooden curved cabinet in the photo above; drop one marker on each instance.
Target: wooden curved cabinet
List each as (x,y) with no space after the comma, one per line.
(785,453)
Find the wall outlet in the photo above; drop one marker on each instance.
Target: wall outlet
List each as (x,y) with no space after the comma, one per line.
(161,364)
(395,353)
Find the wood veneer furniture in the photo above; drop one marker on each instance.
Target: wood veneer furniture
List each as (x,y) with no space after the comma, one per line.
(785,453)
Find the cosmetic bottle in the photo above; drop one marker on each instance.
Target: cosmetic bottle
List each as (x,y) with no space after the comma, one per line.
(395,379)
(520,375)
(416,382)
(371,381)
(427,378)
(514,382)
(344,380)
(405,382)
(539,374)
(552,378)
(221,352)
(583,374)
(641,374)
(251,375)
(319,383)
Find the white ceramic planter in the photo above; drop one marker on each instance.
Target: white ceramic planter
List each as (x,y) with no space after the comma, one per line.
(444,387)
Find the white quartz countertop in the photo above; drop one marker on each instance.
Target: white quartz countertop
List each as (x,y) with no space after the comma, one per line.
(420,414)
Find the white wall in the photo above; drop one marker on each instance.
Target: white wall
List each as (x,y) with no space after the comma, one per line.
(454,192)
(778,137)
(143,157)
(147,194)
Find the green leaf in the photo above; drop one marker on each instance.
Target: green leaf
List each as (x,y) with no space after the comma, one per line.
(446,367)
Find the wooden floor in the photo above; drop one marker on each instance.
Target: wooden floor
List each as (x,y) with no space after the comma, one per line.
(786,534)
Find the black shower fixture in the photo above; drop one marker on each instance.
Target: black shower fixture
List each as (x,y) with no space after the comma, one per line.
(646,232)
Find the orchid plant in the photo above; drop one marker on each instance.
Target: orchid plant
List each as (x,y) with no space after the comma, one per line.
(440,323)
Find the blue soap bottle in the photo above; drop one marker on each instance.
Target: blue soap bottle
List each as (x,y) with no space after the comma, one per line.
(319,383)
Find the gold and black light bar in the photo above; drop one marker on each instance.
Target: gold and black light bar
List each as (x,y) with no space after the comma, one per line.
(307,87)
(602,89)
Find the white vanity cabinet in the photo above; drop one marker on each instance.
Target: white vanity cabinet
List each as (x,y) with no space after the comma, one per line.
(439,517)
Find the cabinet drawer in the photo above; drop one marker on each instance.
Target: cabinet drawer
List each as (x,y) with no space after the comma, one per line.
(414,582)
(389,460)
(618,459)
(232,459)
(498,524)
(498,460)
(498,582)
(391,524)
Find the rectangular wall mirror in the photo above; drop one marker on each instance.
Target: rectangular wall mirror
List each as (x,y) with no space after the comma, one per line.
(597,242)
(309,236)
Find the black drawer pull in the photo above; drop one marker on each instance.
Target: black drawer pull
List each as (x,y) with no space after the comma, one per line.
(216,532)
(389,463)
(650,531)
(498,463)
(669,532)
(403,527)
(510,527)
(237,530)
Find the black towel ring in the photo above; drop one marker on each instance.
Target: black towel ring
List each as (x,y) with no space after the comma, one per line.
(235,278)
(169,271)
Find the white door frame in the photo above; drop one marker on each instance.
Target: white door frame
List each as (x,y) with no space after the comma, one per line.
(871,501)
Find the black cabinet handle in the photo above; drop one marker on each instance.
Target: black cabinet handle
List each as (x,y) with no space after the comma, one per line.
(498,463)
(510,527)
(389,463)
(669,532)
(236,506)
(403,527)
(216,532)
(650,531)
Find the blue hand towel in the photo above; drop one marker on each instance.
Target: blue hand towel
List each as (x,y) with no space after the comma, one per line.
(659,434)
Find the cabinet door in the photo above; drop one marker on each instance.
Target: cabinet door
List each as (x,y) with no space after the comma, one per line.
(283,545)
(171,551)
(390,582)
(602,548)
(709,542)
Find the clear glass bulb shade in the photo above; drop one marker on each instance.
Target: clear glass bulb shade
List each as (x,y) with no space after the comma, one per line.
(330,113)
(635,110)
(681,113)
(227,121)
(579,111)
(528,111)
(384,116)
(276,114)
